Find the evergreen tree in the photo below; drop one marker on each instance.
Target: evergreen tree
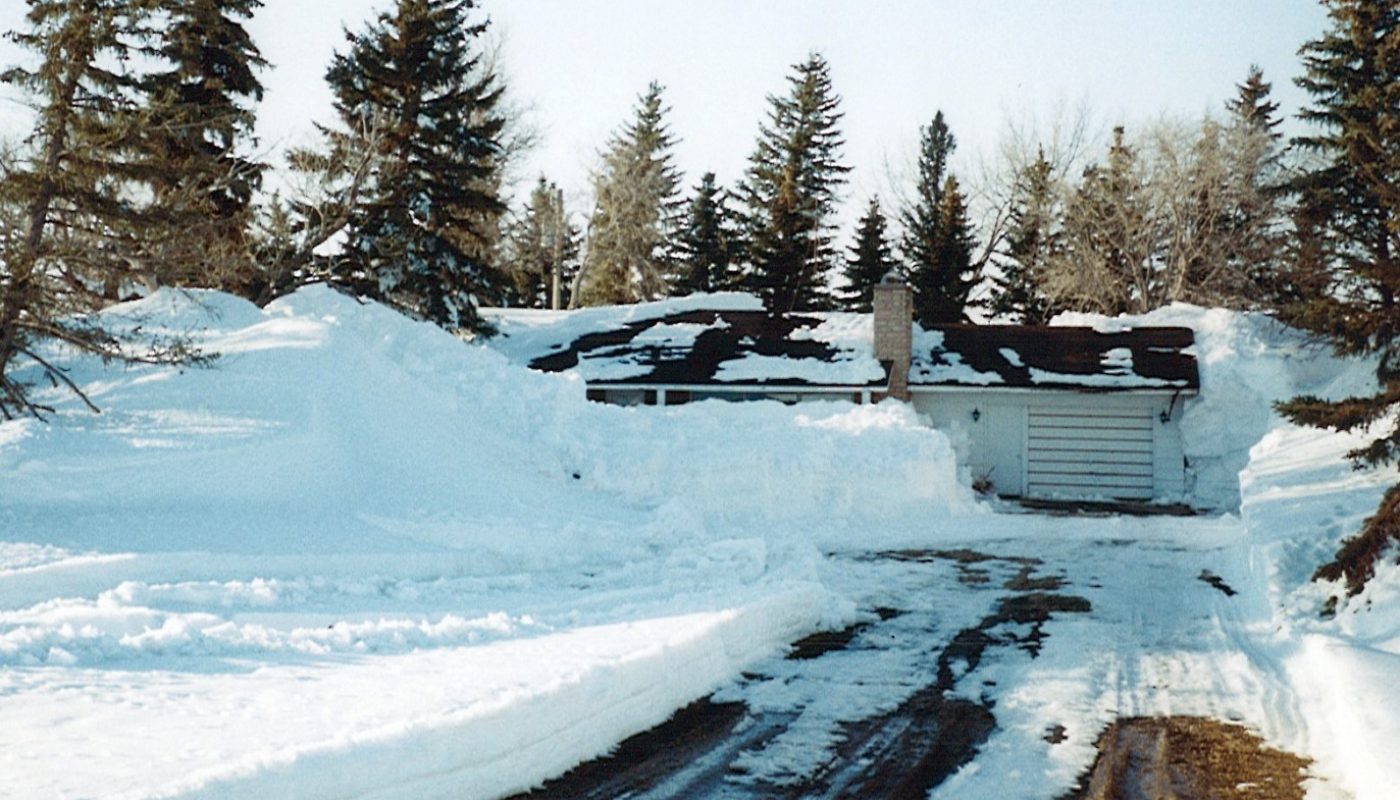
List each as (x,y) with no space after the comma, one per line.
(938,248)
(1353,75)
(204,122)
(789,192)
(416,69)
(542,248)
(870,260)
(1253,212)
(1033,239)
(86,221)
(632,236)
(920,217)
(709,243)
(1252,104)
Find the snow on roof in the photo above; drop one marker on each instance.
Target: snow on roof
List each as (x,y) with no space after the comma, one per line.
(729,340)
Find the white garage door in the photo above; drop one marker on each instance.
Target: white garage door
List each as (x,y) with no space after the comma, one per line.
(1089,453)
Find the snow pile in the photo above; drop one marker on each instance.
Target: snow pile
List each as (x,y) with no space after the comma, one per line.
(731,466)
(346,428)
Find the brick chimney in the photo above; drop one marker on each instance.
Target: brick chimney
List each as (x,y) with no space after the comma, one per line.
(894,332)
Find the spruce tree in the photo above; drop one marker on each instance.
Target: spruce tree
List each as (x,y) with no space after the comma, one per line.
(709,243)
(201,126)
(542,248)
(789,192)
(1353,75)
(870,260)
(1252,103)
(86,219)
(632,236)
(938,248)
(1253,214)
(1033,239)
(416,71)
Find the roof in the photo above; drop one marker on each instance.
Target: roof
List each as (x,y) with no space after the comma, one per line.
(1052,356)
(749,347)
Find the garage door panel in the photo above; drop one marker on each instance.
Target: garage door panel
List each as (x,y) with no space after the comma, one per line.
(1096,456)
(1096,467)
(1097,434)
(1040,444)
(1082,422)
(1094,481)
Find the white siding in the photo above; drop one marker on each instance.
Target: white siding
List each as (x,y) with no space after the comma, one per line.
(988,432)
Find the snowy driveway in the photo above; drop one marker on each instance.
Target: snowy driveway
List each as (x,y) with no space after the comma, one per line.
(1029,636)
(984,668)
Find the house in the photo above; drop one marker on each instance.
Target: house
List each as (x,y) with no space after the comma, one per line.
(1043,412)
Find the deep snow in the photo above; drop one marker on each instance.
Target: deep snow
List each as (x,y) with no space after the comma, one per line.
(361,558)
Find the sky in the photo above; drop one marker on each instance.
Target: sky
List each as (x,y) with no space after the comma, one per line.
(577,67)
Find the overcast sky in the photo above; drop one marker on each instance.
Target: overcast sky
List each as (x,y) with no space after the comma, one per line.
(579,64)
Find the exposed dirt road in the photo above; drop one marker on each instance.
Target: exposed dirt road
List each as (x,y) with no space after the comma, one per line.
(896,741)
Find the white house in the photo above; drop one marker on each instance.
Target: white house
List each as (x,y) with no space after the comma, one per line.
(1042,412)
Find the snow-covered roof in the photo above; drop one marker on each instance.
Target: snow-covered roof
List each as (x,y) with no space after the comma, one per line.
(739,345)
(1056,357)
(731,347)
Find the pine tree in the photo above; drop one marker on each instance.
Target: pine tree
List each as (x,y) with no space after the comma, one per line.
(542,248)
(1353,75)
(417,69)
(938,248)
(86,221)
(204,97)
(632,236)
(709,243)
(789,192)
(870,260)
(1033,239)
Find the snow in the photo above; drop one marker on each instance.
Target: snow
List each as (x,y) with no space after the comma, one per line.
(753,367)
(528,333)
(362,558)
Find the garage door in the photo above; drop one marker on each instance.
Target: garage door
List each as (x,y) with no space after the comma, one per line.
(1086,454)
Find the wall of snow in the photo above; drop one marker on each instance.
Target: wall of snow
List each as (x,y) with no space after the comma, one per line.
(763,466)
(346,428)
(1301,498)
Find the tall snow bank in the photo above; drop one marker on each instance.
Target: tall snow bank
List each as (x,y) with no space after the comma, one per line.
(330,425)
(1301,498)
(736,466)
(1247,362)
